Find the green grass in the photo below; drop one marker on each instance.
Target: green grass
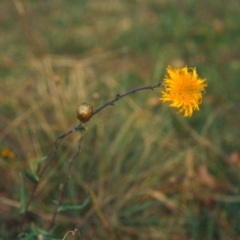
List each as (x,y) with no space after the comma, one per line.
(149,173)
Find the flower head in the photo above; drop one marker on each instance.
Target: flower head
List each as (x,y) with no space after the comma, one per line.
(84,112)
(184,89)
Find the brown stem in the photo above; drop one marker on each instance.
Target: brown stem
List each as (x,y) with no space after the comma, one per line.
(48,162)
(60,198)
(61,137)
(119,96)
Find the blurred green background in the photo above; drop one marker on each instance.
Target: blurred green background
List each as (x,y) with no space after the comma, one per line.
(144,172)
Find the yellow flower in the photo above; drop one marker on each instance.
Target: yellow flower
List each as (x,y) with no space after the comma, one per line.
(184,89)
(6,153)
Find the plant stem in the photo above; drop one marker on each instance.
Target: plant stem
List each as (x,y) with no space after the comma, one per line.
(63,189)
(61,137)
(119,96)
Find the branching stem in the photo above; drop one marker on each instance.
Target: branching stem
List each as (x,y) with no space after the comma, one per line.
(61,137)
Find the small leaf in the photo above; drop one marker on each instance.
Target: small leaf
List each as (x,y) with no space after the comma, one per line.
(117,96)
(22,195)
(40,163)
(79,128)
(32,177)
(74,207)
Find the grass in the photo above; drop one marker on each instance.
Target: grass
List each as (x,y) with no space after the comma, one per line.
(144,171)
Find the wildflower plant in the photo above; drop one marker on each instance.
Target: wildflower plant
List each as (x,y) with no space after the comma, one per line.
(182,88)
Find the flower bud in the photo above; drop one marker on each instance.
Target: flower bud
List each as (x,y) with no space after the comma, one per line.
(84,112)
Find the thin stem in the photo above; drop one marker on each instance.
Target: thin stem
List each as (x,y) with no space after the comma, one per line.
(56,146)
(61,137)
(48,162)
(63,189)
(119,96)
